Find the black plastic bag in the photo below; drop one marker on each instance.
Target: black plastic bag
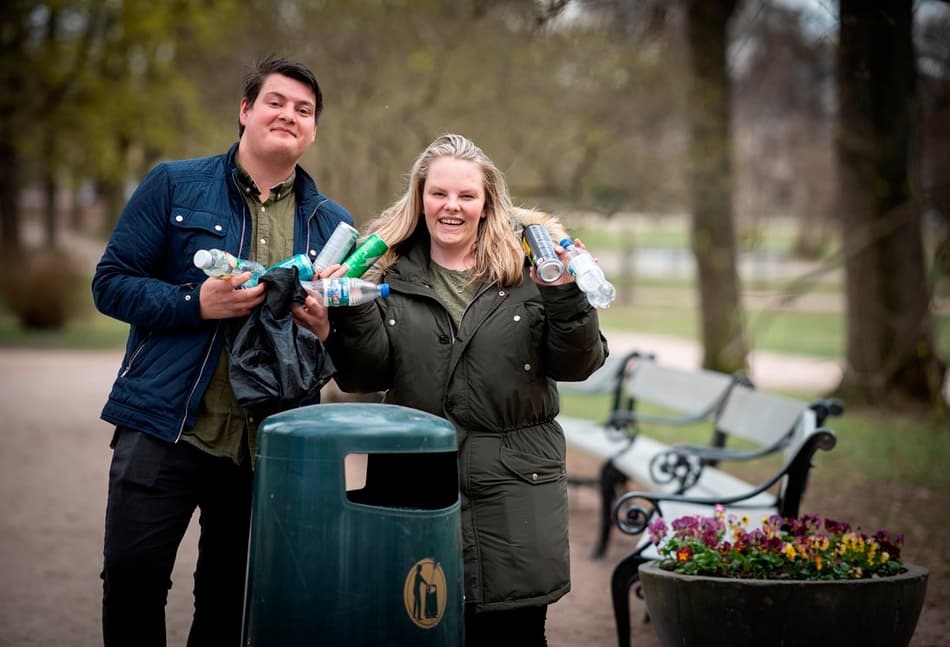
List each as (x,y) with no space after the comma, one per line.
(275,364)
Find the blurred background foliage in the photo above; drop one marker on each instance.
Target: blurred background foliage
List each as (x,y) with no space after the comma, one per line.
(585,104)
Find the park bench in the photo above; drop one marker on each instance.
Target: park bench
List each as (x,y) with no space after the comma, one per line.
(684,397)
(775,424)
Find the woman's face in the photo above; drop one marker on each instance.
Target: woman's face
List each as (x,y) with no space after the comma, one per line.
(453,199)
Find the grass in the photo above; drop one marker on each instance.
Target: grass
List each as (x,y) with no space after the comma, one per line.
(817,334)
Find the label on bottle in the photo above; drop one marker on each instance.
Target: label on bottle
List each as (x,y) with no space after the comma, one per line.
(364,256)
(539,247)
(336,293)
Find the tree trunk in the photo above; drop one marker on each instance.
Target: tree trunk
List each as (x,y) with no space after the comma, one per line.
(711,182)
(12,37)
(891,356)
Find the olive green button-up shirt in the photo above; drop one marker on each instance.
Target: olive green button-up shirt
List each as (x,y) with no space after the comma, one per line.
(223,428)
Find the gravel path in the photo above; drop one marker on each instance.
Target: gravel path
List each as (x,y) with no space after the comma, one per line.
(53,468)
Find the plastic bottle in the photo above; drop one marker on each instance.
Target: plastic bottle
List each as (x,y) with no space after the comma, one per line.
(336,247)
(588,275)
(219,264)
(364,256)
(346,291)
(300,261)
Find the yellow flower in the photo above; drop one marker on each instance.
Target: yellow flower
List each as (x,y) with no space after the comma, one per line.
(818,562)
(790,551)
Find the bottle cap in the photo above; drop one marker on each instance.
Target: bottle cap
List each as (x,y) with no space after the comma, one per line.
(203,258)
(564,242)
(384,290)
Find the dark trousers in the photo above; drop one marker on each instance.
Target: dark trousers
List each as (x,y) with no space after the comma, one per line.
(154,488)
(523,627)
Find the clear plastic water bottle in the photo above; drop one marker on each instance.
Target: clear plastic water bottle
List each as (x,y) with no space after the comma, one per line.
(219,264)
(588,275)
(346,291)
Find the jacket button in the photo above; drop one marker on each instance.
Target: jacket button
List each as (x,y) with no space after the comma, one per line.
(187,297)
(501,293)
(517,317)
(179,218)
(443,339)
(527,367)
(392,322)
(218,227)
(534,477)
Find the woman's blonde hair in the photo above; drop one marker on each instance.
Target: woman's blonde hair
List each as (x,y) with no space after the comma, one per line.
(498,255)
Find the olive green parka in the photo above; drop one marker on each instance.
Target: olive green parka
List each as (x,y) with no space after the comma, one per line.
(494,378)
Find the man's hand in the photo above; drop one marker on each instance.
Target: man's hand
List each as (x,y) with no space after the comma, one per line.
(223,298)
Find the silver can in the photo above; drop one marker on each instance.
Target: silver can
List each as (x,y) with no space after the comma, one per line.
(335,249)
(539,247)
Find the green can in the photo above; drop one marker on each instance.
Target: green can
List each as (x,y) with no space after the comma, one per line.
(364,256)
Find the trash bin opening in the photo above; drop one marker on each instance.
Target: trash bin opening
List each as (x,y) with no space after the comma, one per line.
(424,481)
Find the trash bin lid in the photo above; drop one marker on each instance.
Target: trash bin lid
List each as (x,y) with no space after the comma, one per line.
(325,430)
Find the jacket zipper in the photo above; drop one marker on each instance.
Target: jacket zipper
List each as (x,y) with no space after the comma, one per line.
(314,213)
(135,353)
(194,387)
(204,362)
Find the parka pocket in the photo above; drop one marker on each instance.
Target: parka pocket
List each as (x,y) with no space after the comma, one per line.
(530,468)
(520,526)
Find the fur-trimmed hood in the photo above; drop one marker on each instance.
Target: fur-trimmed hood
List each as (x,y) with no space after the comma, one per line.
(521,218)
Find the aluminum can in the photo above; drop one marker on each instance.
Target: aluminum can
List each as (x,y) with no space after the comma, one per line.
(336,247)
(364,256)
(539,247)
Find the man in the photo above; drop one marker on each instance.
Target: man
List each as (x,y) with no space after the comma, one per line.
(181,441)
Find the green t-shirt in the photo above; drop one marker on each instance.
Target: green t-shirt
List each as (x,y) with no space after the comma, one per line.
(453,289)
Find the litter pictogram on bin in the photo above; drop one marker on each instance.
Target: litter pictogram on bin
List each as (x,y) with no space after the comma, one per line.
(424,593)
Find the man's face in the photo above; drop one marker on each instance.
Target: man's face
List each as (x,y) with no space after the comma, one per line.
(281,123)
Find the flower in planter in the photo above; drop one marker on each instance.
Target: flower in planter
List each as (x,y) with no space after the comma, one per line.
(804,548)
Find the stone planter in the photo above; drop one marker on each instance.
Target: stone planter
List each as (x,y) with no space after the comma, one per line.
(688,611)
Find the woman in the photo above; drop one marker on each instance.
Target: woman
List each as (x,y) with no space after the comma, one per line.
(468,334)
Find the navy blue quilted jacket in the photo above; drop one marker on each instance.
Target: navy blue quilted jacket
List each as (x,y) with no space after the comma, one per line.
(146,278)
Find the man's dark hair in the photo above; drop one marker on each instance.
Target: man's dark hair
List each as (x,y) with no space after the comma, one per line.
(254,81)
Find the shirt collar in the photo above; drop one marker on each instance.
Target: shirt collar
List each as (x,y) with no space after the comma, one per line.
(250,188)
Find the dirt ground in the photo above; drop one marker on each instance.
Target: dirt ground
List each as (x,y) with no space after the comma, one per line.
(53,467)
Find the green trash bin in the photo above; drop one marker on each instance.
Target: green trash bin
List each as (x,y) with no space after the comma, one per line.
(376,561)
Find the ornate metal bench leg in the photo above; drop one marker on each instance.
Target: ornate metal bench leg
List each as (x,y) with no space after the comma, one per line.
(610,478)
(623,577)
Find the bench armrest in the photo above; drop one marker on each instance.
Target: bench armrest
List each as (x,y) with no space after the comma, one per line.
(684,464)
(632,516)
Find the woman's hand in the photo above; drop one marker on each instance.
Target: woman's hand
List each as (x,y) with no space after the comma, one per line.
(566,276)
(313,316)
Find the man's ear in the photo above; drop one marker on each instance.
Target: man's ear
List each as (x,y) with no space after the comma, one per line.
(242,116)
